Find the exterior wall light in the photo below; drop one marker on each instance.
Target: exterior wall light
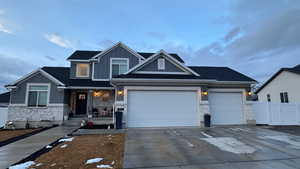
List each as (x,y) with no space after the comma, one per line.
(120,92)
(249,93)
(204,93)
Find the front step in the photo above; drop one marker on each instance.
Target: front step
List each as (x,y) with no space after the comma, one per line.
(72,122)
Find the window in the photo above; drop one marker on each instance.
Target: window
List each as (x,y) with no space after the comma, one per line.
(269,97)
(82,70)
(118,66)
(284,97)
(161,64)
(37,95)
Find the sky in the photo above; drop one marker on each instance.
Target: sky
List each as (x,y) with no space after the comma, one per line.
(256,37)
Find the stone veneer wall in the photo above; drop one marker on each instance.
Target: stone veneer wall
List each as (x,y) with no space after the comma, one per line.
(37,117)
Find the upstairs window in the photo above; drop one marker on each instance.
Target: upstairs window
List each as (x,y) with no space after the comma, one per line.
(82,70)
(118,66)
(161,64)
(38,95)
(284,97)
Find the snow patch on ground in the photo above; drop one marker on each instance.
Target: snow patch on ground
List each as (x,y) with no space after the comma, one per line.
(230,144)
(64,146)
(39,164)
(94,160)
(48,146)
(285,139)
(206,135)
(66,139)
(104,166)
(23,165)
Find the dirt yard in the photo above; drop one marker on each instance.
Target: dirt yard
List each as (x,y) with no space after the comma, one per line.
(7,134)
(74,154)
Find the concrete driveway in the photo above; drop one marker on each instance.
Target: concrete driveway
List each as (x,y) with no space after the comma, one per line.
(216,148)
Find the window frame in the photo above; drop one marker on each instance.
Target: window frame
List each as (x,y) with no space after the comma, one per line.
(161,64)
(284,98)
(37,84)
(77,69)
(111,60)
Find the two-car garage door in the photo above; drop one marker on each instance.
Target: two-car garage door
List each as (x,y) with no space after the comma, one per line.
(162,108)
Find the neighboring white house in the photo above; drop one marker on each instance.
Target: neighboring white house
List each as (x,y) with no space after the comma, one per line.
(282,87)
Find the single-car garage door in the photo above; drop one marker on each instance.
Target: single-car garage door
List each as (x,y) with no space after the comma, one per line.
(162,108)
(226,108)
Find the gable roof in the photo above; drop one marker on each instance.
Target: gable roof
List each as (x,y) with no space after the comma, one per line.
(162,53)
(87,55)
(5,97)
(39,70)
(295,70)
(119,44)
(63,73)
(206,72)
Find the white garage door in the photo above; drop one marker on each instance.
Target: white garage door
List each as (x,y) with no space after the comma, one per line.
(226,108)
(162,108)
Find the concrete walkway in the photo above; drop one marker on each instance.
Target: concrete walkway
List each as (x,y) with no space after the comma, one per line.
(16,151)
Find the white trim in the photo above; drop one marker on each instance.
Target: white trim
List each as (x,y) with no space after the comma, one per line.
(38,84)
(114,46)
(161,88)
(88,70)
(179,80)
(35,71)
(169,58)
(110,65)
(78,60)
(158,72)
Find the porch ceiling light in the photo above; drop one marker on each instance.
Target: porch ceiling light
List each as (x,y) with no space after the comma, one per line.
(97,94)
(120,92)
(248,93)
(204,93)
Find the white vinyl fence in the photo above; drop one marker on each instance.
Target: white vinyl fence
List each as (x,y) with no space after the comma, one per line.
(3,116)
(276,113)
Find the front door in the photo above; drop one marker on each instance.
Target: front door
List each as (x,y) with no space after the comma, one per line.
(81,101)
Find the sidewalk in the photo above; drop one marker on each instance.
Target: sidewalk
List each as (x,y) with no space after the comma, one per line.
(16,151)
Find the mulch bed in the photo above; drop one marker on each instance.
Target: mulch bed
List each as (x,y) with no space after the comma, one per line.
(10,136)
(110,147)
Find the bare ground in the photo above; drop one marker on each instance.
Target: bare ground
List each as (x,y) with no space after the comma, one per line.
(110,147)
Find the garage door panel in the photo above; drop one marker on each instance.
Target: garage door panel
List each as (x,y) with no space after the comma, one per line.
(226,108)
(162,108)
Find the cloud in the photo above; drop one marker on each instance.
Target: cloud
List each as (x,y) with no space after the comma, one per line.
(58,40)
(13,68)
(4,29)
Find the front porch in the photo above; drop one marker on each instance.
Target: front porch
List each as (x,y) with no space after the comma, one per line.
(92,105)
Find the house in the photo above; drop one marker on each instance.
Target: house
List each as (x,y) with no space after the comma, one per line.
(282,87)
(4,99)
(152,89)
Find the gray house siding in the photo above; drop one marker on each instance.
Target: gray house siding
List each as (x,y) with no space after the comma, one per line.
(102,68)
(18,94)
(152,66)
(73,70)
